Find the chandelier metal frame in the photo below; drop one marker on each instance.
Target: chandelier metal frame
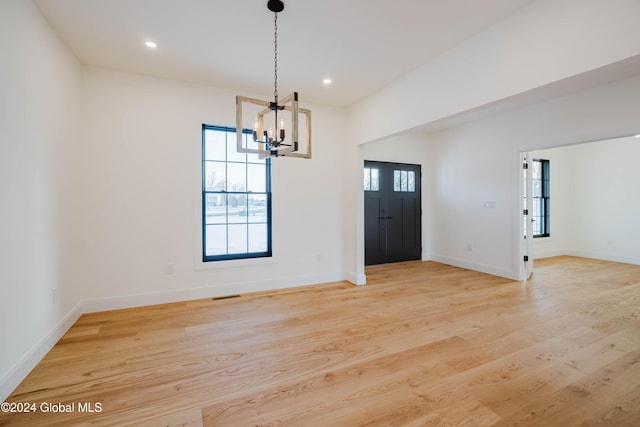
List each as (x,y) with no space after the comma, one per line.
(274,142)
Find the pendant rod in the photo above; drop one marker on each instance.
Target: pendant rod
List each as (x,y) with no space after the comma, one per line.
(275,57)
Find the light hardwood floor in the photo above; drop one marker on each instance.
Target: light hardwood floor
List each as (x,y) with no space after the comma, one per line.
(423,344)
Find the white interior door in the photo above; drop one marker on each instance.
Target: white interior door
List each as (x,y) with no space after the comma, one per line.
(527,212)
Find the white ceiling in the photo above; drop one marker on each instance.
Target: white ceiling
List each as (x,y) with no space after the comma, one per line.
(362,45)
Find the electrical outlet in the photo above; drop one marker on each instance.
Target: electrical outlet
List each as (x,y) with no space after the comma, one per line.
(54,296)
(470,247)
(170,269)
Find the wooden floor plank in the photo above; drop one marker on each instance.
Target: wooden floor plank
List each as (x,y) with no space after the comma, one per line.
(423,344)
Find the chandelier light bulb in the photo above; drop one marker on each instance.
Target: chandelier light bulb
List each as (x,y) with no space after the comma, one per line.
(281,130)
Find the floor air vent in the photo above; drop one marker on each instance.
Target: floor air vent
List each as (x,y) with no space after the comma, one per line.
(226,297)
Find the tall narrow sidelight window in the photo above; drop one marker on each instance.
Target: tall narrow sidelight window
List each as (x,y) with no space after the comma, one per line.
(236,198)
(541,206)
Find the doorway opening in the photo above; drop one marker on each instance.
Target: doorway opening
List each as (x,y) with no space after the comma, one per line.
(392,212)
(589,206)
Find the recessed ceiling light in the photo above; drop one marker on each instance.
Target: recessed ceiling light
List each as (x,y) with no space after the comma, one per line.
(150,44)
(326,81)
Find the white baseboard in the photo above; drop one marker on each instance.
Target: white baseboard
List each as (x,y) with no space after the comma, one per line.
(586,254)
(355,278)
(19,372)
(482,268)
(539,254)
(604,257)
(176,295)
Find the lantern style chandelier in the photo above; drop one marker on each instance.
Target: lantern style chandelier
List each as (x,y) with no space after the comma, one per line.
(270,136)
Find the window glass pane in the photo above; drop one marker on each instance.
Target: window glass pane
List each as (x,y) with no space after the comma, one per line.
(237,238)
(216,243)
(536,225)
(367,179)
(537,188)
(215,177)
(237,177)
(214,145)
(536,206)
(537,169)
(396,180)
(237,208)
(403,178)
(215,209)
(250,143)
(375,181)
(258,238)
(257,208)
(232,149)
(412,181)
(256,175)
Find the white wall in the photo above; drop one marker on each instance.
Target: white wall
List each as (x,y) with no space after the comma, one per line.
(39,87)
(410,147)
(469,170)
(544,42)
(595,202)
(606,179)
(141,179)
(479,161)
(353,212)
